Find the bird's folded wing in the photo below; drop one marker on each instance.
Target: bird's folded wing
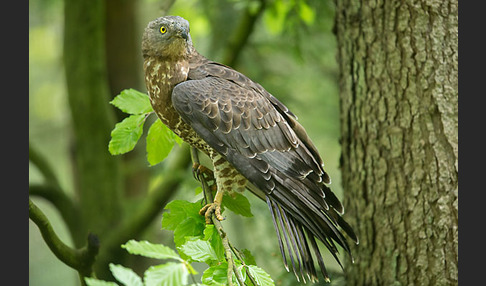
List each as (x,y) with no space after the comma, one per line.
(257,137)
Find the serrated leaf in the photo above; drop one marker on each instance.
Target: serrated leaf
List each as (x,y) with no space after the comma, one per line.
(199,250)
(160,141)
(190,227)
(95,282)
(178,211)
(216,275)
(238,204)
(132,101)
(126,134)
(147,249)
(262,278)
(169,274)
(212,235)
(125,276)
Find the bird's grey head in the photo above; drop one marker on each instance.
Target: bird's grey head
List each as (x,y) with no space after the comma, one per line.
(167,36)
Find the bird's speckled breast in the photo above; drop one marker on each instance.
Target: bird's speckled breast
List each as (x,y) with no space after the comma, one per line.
(160,78)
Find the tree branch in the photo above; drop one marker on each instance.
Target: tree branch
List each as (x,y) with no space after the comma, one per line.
(80,259)
(43,166)
(51,191)
(151,206)
(238,255)
(242,34)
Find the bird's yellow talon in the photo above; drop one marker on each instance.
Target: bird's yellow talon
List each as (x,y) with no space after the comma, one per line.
(210,209)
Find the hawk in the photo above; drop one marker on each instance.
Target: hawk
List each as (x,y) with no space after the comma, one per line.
(254,141)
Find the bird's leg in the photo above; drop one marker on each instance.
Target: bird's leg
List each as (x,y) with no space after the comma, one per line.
(214,207)
(199,170)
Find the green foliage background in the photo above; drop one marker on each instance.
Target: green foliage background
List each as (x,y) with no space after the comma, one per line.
(291,52)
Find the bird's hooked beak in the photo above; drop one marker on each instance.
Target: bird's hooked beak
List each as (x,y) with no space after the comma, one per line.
(184,33)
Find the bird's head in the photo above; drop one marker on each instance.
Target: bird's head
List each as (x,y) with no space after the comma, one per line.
(167,37)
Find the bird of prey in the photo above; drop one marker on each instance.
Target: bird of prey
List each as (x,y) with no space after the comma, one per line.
(254,141)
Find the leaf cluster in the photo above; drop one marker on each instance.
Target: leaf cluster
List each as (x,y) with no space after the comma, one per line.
(127,133)
(195,242)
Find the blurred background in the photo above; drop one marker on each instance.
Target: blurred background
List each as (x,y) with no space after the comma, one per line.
(285,45)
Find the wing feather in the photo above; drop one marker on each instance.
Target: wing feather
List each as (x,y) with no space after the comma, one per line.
(262,139)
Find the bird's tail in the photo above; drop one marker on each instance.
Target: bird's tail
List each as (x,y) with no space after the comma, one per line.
(297,230)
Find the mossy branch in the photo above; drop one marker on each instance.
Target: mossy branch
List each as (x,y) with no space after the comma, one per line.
(51,191)
(80,259)
(147,210)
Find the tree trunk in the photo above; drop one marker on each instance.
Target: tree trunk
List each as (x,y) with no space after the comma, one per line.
(97,174)
(399,115)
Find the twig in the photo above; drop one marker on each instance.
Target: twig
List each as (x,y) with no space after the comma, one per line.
(80,259)
(248,273)
(208,196)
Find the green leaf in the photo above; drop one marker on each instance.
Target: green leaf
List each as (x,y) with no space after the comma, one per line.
(151,250)
(160,141)
(126,134)
(178,211)
(238,204)
(169,274)
(190,227)
(212,235)
(126,276)
(199,250)
(132,101)
(216,275)
(95,282)
(262,278)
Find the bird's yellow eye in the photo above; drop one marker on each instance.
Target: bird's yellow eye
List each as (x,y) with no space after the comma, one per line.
(163,29)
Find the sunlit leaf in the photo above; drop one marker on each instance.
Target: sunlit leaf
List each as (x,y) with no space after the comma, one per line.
(132,101)
(262,278)
(199,250)
(160,141)
(151,250)
(169,274)
(126,134)
(178,211)
(126,276)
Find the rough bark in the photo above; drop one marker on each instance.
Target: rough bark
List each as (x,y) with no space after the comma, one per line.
(399,104)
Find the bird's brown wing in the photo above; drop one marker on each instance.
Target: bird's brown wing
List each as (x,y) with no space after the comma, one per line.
(260,137)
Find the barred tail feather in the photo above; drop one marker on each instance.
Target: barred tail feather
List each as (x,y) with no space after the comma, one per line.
(297,235)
